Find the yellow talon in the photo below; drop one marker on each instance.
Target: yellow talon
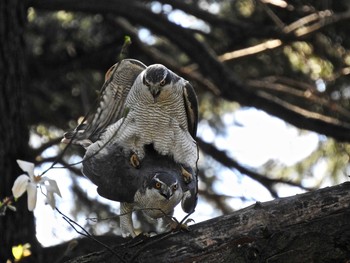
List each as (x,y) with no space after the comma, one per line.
(134,160)
(187,176)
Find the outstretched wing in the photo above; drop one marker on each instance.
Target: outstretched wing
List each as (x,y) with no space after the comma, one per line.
(191,106)
(118,81)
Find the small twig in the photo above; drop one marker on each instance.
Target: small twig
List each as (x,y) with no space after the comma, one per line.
(222,158)
(269,44)
(125,48)
(126,44)
(320,19)
(95,219)
(306,20)
(272,15)
(65,165)
(6,203)
(85,233)
(300,90)
(165,236)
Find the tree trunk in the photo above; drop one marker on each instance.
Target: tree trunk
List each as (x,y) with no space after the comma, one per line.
(15,227)
(312,227)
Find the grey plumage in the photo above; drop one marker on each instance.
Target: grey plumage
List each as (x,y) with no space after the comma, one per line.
(163,111)
(162,196)
(150,112)
(135,188)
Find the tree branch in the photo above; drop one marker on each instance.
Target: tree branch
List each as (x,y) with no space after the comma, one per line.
(222,158)
(59,160)
(313,227)
(44,146)
(232,87)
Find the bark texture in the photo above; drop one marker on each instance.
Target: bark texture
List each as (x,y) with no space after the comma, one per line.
(15,228)
(312,227)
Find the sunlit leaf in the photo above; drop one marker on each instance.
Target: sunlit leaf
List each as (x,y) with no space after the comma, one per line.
(20,185)
(26,167)
(17,252)
(21,251)
(32,193)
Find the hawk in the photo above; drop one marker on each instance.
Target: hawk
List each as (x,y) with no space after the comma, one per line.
(150,114)
(162,110)
(154,189)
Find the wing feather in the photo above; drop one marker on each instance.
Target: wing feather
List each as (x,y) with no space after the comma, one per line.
(118,81)
(191,106)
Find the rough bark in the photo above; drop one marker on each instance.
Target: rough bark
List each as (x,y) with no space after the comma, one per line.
(312,227)
(15,227)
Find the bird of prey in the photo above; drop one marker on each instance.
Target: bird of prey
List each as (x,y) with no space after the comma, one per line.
(142,108)
(154,189)
(162,110)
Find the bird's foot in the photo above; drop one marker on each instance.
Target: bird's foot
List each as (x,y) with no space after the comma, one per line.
(187,176)
(178,226)
(134,160)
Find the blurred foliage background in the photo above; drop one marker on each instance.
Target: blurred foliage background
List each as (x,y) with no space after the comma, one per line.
(290,59)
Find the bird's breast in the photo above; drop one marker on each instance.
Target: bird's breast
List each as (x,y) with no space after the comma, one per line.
(153,204)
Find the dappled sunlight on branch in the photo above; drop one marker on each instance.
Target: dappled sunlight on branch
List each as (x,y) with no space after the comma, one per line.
(251,50)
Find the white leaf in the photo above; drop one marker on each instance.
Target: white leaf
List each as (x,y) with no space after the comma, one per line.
(53,187)
(51,199)
(32,192)
(20,185)
(27,167)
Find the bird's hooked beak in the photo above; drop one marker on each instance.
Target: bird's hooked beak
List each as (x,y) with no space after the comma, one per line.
(167,193)
(155,91)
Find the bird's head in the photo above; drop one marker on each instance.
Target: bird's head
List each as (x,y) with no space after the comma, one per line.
(166,184)
(156,77)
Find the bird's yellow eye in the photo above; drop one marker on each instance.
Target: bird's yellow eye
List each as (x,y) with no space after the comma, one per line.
(162,83)
(174,187)
(158,185)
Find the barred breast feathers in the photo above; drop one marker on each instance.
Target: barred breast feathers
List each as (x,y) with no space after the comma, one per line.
(156,201)
(164,124)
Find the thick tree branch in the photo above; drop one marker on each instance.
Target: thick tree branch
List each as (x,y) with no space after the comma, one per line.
(222,158)
(159,57)
(238,26)
(78,247)
(313,227)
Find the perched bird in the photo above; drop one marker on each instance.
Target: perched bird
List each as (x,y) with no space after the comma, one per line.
(140,139)
(154,189)
(162,110)
(145,105)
